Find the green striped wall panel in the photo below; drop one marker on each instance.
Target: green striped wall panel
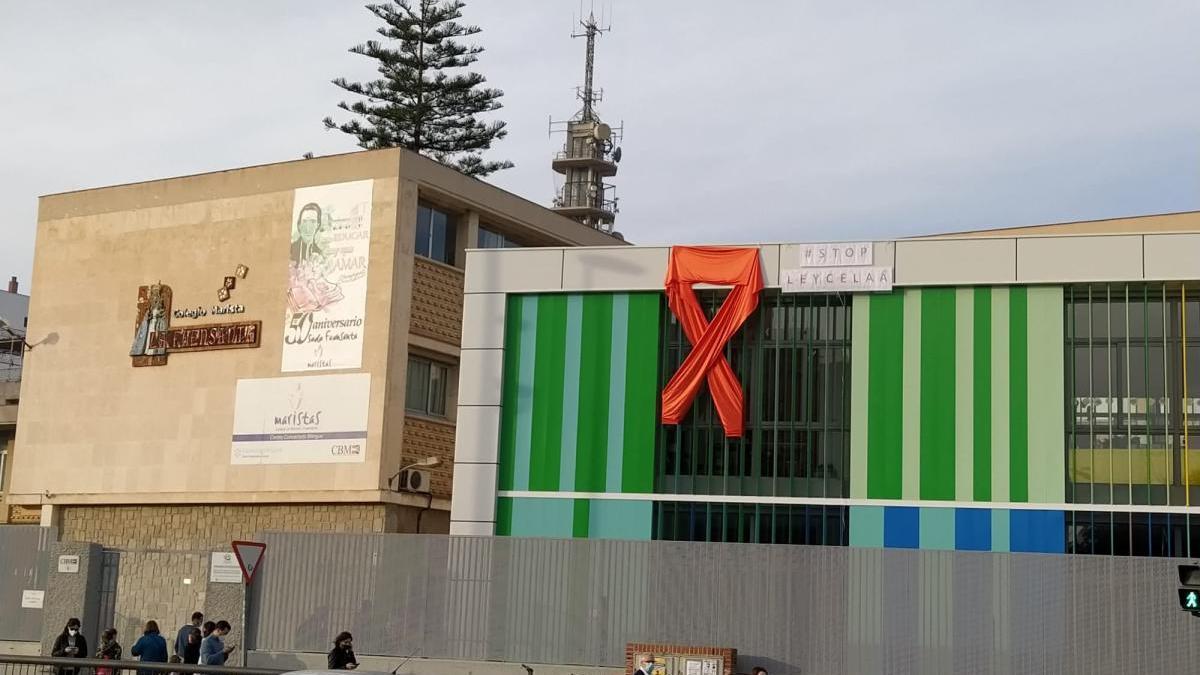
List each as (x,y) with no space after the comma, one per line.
(958,395)
(580,393)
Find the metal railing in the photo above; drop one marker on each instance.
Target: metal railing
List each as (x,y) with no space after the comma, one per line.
(585,194)
(44,665)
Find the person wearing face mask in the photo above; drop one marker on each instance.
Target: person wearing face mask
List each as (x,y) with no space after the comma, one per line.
(645,665)
(70,644)
(341,657)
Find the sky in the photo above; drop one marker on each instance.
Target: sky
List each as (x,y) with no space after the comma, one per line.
(778,120)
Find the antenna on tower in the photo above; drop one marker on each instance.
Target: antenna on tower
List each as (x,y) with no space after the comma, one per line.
(592,148)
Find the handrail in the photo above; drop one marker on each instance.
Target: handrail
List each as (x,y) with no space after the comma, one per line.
(115,665)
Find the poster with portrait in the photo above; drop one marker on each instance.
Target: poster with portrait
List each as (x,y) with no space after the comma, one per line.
(330,243)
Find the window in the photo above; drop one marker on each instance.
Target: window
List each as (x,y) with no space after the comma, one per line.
(435,234)
(795,353)
(812,525)
(492,239)
(426,393)
(1133,408)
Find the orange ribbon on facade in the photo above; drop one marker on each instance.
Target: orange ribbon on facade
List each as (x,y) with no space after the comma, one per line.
(722,266)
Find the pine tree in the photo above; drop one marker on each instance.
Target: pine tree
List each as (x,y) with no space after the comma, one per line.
(415,103)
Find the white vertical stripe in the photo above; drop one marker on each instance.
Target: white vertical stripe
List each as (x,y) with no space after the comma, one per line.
(964,394)
(1000,393)
(860,354)
(911,405)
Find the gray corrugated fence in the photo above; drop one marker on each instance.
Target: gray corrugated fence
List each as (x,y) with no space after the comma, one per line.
(794,609)
(24,566)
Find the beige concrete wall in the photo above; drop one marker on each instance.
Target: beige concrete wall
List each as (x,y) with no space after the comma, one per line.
(161,586)
(200,526)
(95,429)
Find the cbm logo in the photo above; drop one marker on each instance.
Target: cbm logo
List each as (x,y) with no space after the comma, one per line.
(1189,596)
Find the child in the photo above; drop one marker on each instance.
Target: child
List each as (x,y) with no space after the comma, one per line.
(110,650)
(175,658)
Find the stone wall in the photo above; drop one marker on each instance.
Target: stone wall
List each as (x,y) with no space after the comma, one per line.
(424,437)
(163,586)
(437,301)
(207,526)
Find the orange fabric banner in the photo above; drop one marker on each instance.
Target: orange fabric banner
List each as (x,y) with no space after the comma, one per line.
(723,266)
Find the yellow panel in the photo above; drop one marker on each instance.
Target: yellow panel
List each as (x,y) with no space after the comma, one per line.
(1150,466)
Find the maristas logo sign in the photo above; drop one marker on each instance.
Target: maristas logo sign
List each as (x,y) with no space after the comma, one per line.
(316,419)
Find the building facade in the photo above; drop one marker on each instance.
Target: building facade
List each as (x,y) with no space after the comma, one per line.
(14,315)
(1032,390)
(257,349)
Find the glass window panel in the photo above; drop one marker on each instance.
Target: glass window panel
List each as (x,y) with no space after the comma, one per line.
(766,523)
(783,516)
(1081,321)
(716,522)
(416,397)
(1116,313)
(1193,314)
(490,239)
(732,516)
(437,244)
(421,246)
(437,390)
(1121,535)
(1098,314)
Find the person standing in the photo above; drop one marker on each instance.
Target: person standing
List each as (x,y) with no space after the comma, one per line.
(151,647)
(213,651)
(70,644)
(184,638)
(341,657)
(110,650)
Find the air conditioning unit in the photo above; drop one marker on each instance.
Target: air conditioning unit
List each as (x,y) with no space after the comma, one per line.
(414,480)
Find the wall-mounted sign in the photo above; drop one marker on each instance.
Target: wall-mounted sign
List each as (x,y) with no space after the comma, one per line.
(832,279)
(68,564)
(831,268)
(216,310)
(223,568)
(318,419)
(845,254)
(33,599)
(327,277)
(154,339)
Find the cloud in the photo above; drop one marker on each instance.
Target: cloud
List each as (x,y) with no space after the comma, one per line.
(762,121)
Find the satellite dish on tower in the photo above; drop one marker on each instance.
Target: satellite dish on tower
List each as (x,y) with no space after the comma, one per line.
(616,155)
(602,131)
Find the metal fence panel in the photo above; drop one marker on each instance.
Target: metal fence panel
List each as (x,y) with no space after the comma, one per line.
(24,565)
(793,609)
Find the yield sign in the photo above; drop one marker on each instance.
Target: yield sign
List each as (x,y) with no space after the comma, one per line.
(249,554)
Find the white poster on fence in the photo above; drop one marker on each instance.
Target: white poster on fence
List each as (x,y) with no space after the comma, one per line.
(327,277)
(316,419)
